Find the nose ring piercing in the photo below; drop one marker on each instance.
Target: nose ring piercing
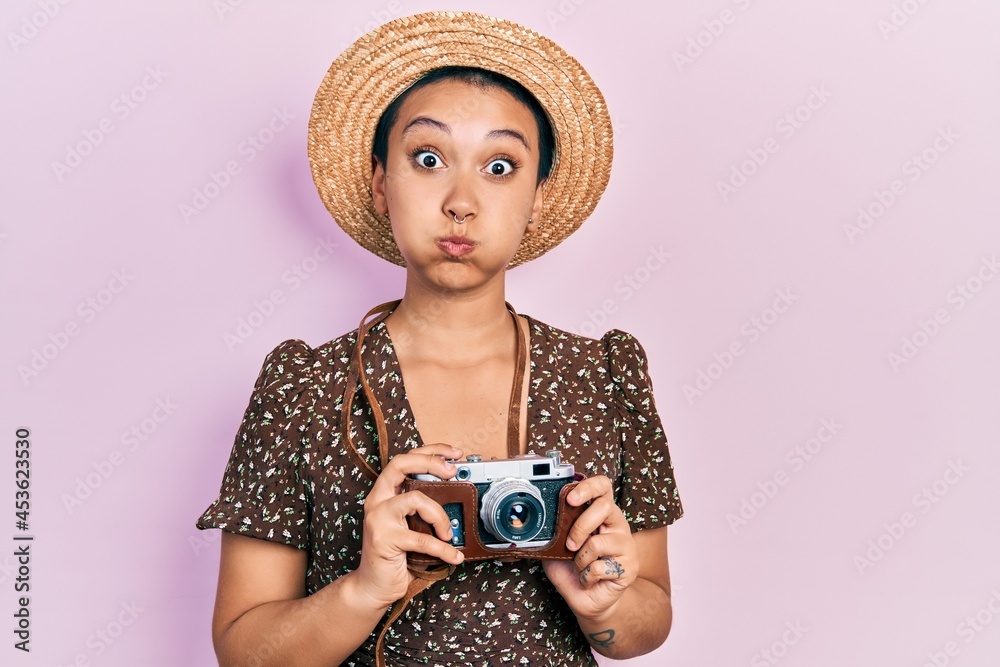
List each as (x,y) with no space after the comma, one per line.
(455,215)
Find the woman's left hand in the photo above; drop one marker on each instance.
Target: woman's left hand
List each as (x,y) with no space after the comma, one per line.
(606,563)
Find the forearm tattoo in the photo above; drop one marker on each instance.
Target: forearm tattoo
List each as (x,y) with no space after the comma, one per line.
(604,638)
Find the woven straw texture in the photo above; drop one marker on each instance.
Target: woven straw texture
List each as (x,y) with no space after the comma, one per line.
(380,65)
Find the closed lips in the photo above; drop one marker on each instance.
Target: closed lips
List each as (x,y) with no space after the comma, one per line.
(460,240)
(456,245)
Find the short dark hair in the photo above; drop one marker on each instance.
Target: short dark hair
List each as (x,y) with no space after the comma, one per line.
(482,78)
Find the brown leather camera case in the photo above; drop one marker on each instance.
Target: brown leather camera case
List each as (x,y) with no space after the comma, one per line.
(464,493)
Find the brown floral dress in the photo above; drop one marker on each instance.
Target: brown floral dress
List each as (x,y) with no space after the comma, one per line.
(291,480)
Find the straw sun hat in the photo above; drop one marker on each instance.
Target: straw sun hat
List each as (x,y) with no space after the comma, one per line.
(380,65)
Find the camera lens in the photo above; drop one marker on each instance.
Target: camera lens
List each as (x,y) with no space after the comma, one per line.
(512,510)
(519,516)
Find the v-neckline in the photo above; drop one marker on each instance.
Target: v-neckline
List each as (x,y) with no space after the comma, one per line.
(527,399)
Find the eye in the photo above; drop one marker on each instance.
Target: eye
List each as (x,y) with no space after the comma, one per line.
(502,167)
(426,159)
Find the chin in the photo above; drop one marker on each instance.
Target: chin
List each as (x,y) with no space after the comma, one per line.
(456,274)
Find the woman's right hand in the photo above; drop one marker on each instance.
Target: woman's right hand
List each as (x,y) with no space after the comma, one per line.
(382,575)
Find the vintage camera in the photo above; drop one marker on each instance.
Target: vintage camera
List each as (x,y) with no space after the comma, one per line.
(517,501)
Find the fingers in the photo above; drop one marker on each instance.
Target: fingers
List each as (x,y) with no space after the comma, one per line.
(600,545)
(601,535)
(440,449)
(423,460)
(431,512)
(386,507)
(391,532)
(608,556)
(602,514)
(387,536)
(605,568)
(589,489)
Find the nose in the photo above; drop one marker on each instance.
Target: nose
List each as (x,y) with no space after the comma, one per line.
(460,219)
(460,203)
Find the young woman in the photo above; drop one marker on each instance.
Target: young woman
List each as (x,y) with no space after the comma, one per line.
(477,164)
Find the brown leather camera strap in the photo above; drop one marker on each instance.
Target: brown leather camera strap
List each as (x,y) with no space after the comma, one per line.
(422,577)
(354,374)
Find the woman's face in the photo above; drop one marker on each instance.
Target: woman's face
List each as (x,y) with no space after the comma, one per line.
(459,150)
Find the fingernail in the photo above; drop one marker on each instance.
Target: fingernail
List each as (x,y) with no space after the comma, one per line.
(570,544)
(572,496)
(461,556)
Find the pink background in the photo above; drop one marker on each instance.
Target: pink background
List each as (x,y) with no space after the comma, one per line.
(841,546)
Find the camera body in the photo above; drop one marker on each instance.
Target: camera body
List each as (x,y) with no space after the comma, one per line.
(505,507)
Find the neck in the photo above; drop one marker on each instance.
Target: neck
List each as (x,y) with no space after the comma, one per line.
(462,326)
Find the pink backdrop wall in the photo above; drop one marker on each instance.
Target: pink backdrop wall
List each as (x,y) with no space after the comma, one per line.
(828,380)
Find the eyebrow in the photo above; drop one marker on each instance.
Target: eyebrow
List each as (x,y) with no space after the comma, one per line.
(492,134)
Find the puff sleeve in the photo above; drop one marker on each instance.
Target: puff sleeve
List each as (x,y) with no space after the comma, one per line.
(264,492)
(648,492)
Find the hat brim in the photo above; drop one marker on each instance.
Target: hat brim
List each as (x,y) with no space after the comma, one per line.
(382,64)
